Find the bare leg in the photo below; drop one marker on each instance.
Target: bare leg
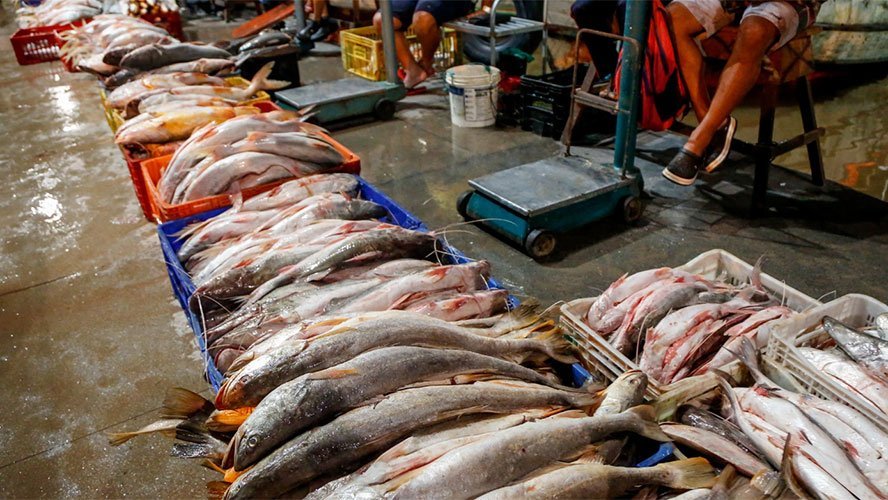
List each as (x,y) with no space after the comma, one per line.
(429,36)
(320,9)
(755,37)
(686,28)
(413,70)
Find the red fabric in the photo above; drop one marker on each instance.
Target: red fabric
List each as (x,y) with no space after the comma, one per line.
(664,95)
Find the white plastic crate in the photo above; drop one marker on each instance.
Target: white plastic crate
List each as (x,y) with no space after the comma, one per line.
(604,361)
(782,354)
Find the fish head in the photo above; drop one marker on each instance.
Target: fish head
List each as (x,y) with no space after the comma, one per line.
(266,429)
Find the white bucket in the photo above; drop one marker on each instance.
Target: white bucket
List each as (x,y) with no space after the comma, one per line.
(473,94)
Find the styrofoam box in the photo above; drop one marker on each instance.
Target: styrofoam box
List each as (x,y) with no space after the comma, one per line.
(782,352)
(604,361)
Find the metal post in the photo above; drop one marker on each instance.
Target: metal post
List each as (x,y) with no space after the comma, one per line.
(299,14)
(635,27)
(388,41)
(545,37)
(492,38)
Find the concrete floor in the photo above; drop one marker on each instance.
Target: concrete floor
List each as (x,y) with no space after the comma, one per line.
(91,337)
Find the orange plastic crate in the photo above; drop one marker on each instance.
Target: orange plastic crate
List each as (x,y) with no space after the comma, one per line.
(163,211)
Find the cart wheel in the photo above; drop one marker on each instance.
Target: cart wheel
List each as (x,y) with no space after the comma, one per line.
(462,204)
(540,243)
(633,208)
(384,109)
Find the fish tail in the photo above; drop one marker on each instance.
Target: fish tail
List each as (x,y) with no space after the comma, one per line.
(556,345)
(787,466)
(262,82)
(689,474)
(182,403)
(197,442)
(118,438)
(646,425)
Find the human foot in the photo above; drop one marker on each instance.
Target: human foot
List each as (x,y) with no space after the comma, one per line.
(684,167)
(414,76)
(721,144)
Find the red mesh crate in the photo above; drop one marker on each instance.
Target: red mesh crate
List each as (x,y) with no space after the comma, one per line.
(170,21)
(41,44)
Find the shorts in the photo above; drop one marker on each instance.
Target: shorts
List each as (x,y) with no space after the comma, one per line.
(442,10)
(789,18)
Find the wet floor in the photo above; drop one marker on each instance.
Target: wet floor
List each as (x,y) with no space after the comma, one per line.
(91,337)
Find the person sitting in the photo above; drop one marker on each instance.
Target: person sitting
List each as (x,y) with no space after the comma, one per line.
(319,26)
(600,15)
(426,18)
(764,26)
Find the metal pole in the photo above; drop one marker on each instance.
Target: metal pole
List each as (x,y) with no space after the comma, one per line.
(545,37)
(635,27)
(299,14)
(388,41)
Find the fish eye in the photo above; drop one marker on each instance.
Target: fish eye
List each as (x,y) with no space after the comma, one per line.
(252,441)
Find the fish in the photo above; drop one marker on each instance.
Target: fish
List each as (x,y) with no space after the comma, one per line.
(205,234)
(370,428)
(178,125)
(297,190)
(155,56)
(393,242)
(584,480)
(243,170)
(120,96)
(265,39)
(849,375)
(210,66)
(258,377)
(450,307)
(717,446)
(492,463)
(869,352)
(620,290)
(882,326)
(312,398)
(706,420)
(623,393)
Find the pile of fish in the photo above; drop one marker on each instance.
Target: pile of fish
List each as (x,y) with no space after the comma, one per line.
(228,155)
(675,324)
(55,12)
(856,360)
(784,440)
(398,405)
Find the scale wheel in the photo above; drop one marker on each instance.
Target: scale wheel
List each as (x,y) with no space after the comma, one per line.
(540,243)
(462,204)
(633,208)
(384,109)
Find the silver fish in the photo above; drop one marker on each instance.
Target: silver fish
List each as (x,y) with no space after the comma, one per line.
(155,56)
(869,352)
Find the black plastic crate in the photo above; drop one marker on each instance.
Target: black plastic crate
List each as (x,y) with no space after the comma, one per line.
(546,101)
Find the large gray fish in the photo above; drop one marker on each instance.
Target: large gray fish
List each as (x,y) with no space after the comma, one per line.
(866,350)
(155,55)
(393,242)
(209,66)
(585,480)
(717,446)
(494,462)
(265,39)
(310,399)
(120,96)
(252,382)
(371,428)
(706,420)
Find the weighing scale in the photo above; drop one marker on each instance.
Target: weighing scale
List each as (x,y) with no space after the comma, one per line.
(531,204)
(351,97)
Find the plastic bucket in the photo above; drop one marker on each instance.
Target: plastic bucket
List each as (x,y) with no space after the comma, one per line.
(473,94)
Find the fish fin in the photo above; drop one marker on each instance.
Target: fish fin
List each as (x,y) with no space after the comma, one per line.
(261,82)
(689,474)
(237,200)
(401,480)
(165,426)
(556,345)
(228,420)
(182,403)
(588,455)
(469,378)
(331,373)
(647,425)
(769,482)
(213,466)
(788,470)
(556,412)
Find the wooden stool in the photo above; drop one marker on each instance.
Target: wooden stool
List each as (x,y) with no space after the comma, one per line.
(789,65)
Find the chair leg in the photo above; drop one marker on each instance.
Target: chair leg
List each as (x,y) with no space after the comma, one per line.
(809,121)
(764,148)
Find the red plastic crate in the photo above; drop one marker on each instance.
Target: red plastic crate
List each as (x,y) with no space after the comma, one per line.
(163,212)
(41,44)
(170,21)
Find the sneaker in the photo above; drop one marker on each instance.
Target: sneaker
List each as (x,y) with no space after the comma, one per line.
(326,29)
(721,145)
(683,168)
(310,28)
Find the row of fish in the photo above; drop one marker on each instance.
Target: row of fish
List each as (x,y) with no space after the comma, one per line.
(56,12)
(855,359)
(675,324)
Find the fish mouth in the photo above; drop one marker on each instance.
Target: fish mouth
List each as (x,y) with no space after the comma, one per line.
(231,453)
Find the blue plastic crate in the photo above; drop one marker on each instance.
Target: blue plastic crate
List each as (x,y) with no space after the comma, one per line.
(183,287)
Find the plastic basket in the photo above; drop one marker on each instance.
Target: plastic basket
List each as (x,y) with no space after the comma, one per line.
(111,115)
(183,287)
(171,21)
(603,360)
(362,51)
(783,355)
(135,170)
(163,211)
(40,44)
(545,101)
